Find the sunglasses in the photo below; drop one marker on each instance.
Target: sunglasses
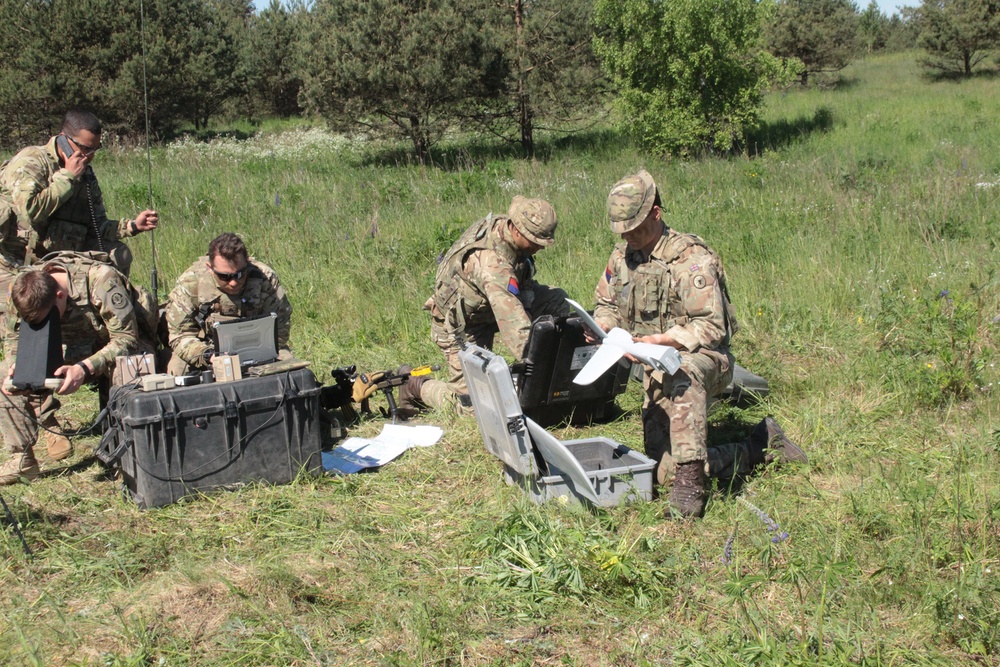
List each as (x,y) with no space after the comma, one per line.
(84,148)
(229,277)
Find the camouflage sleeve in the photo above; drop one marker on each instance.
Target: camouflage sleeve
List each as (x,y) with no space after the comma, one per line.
(36,195)
(496,279)
(182,328)
(702,302)
(276,301)
(607,311)
(9,324)
(111,298)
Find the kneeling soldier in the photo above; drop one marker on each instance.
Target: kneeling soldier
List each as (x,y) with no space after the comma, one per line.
(224,285)
(102,316)
(485,284)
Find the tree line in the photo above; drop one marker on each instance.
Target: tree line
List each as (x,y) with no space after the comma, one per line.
(684,76)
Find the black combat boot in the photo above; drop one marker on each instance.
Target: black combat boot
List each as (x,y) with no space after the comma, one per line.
(409,403)
(767,435)
(687,496)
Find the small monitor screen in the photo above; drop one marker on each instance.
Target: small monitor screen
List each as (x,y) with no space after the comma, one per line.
(254,339)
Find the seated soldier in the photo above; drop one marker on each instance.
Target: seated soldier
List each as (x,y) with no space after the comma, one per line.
(224,285)
(485,284)
(102,316)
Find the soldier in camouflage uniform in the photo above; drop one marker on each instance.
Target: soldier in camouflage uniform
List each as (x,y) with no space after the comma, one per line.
(224,285)
(669,288)
(485,284)
(50,201)
(102,316)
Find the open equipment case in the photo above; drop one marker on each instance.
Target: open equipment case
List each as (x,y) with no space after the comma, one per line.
(555,353)
(591,470)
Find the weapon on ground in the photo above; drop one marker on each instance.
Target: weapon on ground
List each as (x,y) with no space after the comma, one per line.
(338,396)
(367,384)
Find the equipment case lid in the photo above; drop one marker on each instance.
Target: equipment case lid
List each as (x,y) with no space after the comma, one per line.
(508,434)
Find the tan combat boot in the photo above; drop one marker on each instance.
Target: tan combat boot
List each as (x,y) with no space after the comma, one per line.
(57,445)
(20,464)
(687,496)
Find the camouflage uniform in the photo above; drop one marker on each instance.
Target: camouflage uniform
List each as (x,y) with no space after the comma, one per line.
(678,289)
(100,323)
(485,285)
(196,303)
(48,209)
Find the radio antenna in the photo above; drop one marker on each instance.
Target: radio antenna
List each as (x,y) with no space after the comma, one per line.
(149,160)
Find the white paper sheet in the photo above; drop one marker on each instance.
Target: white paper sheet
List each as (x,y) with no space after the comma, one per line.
(356,454)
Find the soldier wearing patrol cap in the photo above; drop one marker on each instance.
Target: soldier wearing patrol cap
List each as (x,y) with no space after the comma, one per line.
(102,316)
(669,288)
(485,284)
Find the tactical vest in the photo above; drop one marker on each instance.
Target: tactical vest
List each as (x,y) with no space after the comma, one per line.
(449,298)
(649,301)
(147,312)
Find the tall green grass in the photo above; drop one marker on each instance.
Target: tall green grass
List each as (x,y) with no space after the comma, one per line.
(859,234)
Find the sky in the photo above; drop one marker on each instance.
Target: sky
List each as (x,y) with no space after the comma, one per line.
(888,7)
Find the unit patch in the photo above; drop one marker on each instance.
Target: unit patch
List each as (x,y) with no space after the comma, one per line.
(699,281)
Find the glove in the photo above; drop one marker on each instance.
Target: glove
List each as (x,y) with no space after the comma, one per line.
(365,385)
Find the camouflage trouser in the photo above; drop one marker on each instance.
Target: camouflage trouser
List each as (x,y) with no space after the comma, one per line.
(544,300)
(20,416)
(675,416)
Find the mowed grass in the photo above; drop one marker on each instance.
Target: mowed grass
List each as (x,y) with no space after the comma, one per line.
(859,233)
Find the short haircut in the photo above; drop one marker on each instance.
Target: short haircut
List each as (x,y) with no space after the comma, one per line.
(76,121)
(33,295)
(229,246)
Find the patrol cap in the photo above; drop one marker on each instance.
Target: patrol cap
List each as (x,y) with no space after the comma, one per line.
(630,201)
(535,219)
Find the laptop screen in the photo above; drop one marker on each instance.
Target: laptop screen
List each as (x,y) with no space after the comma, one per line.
(255,339)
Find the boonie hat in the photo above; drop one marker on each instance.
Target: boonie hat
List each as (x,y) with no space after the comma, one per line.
(630,201)
(535,219)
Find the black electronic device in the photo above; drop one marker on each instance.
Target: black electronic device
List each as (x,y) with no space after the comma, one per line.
(555,353)
(254,339)
(39,352)
(65,145)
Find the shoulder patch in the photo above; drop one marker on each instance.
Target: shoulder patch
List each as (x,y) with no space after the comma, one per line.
(695,267)
(699,282)
(118,300)
(512,287)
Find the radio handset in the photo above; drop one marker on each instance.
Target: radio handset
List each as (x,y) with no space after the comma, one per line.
(64,145)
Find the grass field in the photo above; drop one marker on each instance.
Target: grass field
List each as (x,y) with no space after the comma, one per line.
(860,239)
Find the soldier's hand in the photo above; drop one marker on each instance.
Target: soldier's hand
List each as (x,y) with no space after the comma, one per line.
(77,162)
(146,221)
(73,377)
(7,387)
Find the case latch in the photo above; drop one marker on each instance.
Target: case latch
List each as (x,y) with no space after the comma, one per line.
(515,424)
